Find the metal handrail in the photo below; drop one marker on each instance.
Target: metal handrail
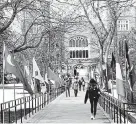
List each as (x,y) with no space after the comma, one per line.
(15,110)
(117,109)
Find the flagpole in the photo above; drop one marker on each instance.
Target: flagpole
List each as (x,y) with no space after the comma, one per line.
(3,77)
(14,92)
(126,72)
(24,93)
(14,83)
(112,83)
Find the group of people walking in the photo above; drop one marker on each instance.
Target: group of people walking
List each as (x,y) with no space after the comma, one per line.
(76,85)
(92,92)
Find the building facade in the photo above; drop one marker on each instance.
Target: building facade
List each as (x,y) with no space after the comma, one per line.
(79,53)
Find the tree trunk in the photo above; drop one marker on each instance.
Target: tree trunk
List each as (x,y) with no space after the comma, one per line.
(101,63)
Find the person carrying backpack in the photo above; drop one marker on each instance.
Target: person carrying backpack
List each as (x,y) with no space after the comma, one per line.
(93,93)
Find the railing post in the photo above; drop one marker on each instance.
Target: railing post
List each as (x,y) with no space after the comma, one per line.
(104,104)
(114,112)
(2,113)
(38,102)
(49,97)
(124,112)
(57,92)
(25,108)
(109,107)
(15,112)
(120,113)
(9,110)
(53,93)
(117,112)
(35,104)
(42,100)
(21,109)
(45,99)
(32,105)
(29,106)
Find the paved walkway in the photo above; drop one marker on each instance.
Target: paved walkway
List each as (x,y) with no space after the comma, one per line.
(68,110)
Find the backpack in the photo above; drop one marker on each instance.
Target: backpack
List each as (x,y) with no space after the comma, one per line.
(75,86)
(93,91)
(83,83)
(80,82)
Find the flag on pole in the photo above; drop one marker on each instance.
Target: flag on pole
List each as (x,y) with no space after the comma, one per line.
(127,57)
(52,76)
(119,80)
(131,76)
(36,71)
(11,66)
(113,62)
(46,79)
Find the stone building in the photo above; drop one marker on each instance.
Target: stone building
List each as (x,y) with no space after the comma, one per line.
(82,47)
(79,54)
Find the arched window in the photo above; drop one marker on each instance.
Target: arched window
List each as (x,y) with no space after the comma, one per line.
(83,42)
(73,43)
(86,43)
(78,41)
(70,43)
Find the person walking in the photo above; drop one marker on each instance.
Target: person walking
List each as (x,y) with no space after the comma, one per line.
(75,87)
(80,84)
(93,93)
(67,87)
(83,83)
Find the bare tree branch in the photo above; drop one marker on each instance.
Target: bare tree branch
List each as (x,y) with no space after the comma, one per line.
(89,19)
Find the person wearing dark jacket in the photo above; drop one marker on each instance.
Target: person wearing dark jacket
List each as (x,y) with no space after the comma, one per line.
(93,93)
(80,84)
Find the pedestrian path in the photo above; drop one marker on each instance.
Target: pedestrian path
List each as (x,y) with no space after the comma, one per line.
(68,110)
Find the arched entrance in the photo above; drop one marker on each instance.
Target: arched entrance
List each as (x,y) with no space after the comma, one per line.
(82,71)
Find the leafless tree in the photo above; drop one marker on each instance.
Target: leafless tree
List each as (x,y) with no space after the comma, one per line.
(104,32)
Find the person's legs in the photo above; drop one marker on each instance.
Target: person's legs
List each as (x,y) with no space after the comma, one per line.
(83,87)
(69,92)
(79,87)
(91,102)
(66,92)
(95,106)
(75,92)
